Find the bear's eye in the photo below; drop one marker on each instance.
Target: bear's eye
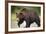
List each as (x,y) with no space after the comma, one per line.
(20,13)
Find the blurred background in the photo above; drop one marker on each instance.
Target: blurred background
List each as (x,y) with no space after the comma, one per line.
(17,9)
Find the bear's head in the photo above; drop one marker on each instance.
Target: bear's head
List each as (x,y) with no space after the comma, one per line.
(20,15)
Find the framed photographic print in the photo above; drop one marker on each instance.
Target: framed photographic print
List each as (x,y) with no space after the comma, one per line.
(24,17)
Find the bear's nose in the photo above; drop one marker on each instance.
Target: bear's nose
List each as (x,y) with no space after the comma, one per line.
(17,19)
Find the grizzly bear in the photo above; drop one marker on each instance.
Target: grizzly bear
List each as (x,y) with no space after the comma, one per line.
(29,17)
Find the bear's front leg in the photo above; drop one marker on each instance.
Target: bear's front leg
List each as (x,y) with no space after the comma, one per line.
(27,25)
(20,22)
(27,19)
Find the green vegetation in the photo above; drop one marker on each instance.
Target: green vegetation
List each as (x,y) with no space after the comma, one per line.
(17,9)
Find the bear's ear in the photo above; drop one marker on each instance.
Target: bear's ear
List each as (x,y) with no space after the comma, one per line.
(24,9)
(16,13)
